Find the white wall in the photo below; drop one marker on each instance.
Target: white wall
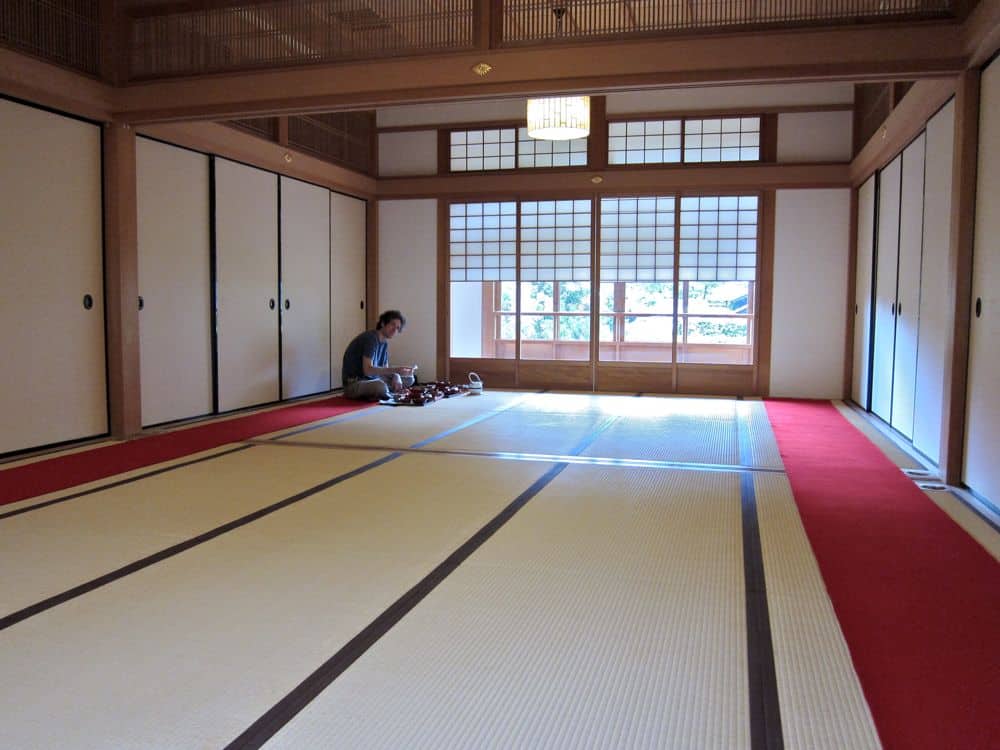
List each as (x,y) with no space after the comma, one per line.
(811,251)
(700,99)
(407,263)
(410,152)
(814,136)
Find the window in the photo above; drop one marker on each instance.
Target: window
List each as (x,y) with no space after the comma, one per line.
(511,148)
(478,150)
(543,302)
(722,139)
(532,152)
(677,279)
(718,238)
(644,142)
(712,295)
(690,140)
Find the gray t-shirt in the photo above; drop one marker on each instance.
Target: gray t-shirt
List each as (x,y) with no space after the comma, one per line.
(365,344)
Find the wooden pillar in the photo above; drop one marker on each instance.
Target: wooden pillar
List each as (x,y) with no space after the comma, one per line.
(963,205)
(121,279)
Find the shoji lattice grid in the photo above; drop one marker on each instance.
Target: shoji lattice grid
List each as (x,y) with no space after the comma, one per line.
(644,142)
(480,150)
(532,152)
(722,139)
(555,240)
(482,241)
(637,239)
(718,238)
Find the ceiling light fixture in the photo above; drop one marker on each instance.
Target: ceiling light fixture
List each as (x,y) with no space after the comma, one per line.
(560,118)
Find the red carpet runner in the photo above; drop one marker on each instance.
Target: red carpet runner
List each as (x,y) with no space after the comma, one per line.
(917,598)
(69,470)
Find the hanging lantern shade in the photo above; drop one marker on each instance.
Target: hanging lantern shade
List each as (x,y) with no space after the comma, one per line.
(560,118)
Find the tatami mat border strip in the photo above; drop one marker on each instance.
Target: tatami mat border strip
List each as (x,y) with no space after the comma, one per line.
(120,482)
(262,730)
(765,709)
(632,463)
(176,549)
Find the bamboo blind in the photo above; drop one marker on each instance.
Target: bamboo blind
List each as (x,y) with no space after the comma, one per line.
(526,22)
(293,32)
(66,32)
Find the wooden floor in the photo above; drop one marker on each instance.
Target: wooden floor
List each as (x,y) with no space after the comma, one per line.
(505,570)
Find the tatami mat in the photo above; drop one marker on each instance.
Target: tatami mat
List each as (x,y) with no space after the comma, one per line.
(403,426)
(763,447)
(822,704)
(189,652)
(607,613)
(524,432)
(52,549)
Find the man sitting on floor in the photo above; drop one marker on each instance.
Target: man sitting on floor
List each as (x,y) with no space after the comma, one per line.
(366,370)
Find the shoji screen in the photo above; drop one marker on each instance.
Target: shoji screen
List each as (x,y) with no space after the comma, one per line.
(305,288)
(246,236)
(982,434)
(348,237)
(935,319)
(911,223)
(51,279)
(175,321)
(886,262)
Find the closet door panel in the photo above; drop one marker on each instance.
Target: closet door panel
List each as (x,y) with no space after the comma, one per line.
(863,291)
(53,367)
(175,322)
(911,223)
(982,434)
(246,236)
(348,235)
(305,288)
(935,321)
(886,261)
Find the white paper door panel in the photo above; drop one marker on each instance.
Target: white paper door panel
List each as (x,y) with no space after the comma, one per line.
(53,362)
(348,238)
(935,319)
(175,322)
(305,288)
(886,259)
(246,237)
(982,434)
(911,225)
(863,291)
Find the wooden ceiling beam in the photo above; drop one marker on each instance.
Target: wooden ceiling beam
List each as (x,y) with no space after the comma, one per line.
(855,54)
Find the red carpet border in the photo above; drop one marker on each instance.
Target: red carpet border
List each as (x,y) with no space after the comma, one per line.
(50,475)
(917,598)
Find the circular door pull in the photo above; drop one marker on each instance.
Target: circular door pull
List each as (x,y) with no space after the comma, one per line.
(979,306)
(288,304)
(271,303)
(899,308)
(88,302)
(142,302)
(362,304)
